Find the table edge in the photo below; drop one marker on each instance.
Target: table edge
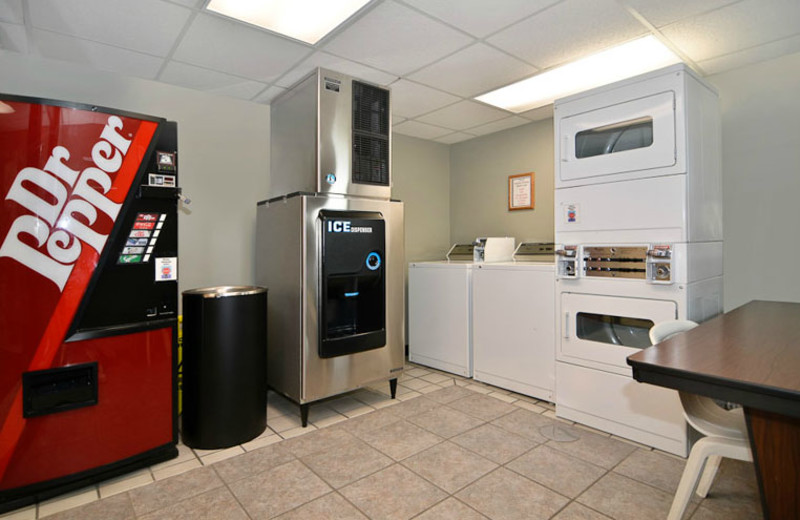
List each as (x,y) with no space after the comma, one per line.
(751,395)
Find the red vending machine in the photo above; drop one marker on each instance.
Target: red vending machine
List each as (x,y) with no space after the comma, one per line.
(88,295)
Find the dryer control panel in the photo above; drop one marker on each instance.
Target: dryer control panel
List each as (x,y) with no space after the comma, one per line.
(651,262)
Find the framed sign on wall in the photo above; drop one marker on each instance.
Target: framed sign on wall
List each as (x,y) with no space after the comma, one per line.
(521,191)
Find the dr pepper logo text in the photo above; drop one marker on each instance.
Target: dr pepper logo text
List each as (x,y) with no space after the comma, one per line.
(64,204)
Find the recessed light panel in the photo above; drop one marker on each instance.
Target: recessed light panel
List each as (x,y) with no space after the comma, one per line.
(304,20)
(614,64)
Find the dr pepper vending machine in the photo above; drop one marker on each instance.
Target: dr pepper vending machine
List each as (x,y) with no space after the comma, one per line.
(88,295)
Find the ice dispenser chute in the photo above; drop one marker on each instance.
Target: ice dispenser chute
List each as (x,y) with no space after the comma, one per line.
(352,305)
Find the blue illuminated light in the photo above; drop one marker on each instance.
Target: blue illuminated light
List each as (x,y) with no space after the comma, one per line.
(350,294)
(373,261)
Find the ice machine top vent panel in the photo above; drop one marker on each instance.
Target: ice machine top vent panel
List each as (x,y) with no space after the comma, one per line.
(370,134)
(370,109)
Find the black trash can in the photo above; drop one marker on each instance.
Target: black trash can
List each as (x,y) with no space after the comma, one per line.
(224,366)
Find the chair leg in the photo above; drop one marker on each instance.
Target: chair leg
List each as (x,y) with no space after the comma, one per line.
(710,471)
(691,473)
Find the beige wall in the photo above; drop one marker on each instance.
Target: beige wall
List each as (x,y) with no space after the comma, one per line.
(479,170)
(761,180)
(421,179)
(223,157)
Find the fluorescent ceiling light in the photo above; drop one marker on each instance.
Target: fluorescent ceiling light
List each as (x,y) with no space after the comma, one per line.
(614,64)
(304,20)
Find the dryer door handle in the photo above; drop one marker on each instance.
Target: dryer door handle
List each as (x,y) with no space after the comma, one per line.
(564,147)
(565,326)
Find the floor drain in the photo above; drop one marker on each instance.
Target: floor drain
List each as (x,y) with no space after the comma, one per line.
(558,433)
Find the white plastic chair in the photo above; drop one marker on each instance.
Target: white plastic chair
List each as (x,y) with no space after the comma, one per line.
(725,432)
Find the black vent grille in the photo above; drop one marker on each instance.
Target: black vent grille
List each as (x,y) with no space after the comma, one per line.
(370,134)
(370,160)
(370,109)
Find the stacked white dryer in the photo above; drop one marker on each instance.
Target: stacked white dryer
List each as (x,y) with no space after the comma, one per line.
(638,206)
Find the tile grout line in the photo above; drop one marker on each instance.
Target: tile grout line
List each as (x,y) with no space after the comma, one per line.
(336,490)
(236,498)
(394,462)
(475,388)
(445,440)
(570,500)
(421,377)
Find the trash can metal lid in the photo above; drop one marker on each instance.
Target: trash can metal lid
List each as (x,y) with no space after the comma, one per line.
(225,291)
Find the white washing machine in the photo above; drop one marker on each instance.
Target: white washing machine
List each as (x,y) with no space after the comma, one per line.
(440,304)
(440,315)
(513,324)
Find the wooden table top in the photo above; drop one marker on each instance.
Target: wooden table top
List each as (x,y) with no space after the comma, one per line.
(750,355)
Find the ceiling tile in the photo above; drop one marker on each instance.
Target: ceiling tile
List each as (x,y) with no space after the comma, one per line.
(457,72)
(189,3)
(218,43)
(500,124)
(329,61)
(569,30)
(455,137)
(243,90)
(431,44)
(97,55)
(397,39)
(735,27)
(660,13)
(463,115)
(11,11)
(411,99)
(421,130)
(268,95)
(13,37)
(189,76)
(537,114)
(752,55)
(477,17)
(149,26)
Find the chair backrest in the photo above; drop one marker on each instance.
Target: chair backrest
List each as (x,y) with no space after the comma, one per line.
(705,415)
(666,329)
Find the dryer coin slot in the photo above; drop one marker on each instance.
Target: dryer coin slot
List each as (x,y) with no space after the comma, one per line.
(659,264)
(615,261)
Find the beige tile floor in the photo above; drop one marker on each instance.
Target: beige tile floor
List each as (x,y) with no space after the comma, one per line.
(446,448)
